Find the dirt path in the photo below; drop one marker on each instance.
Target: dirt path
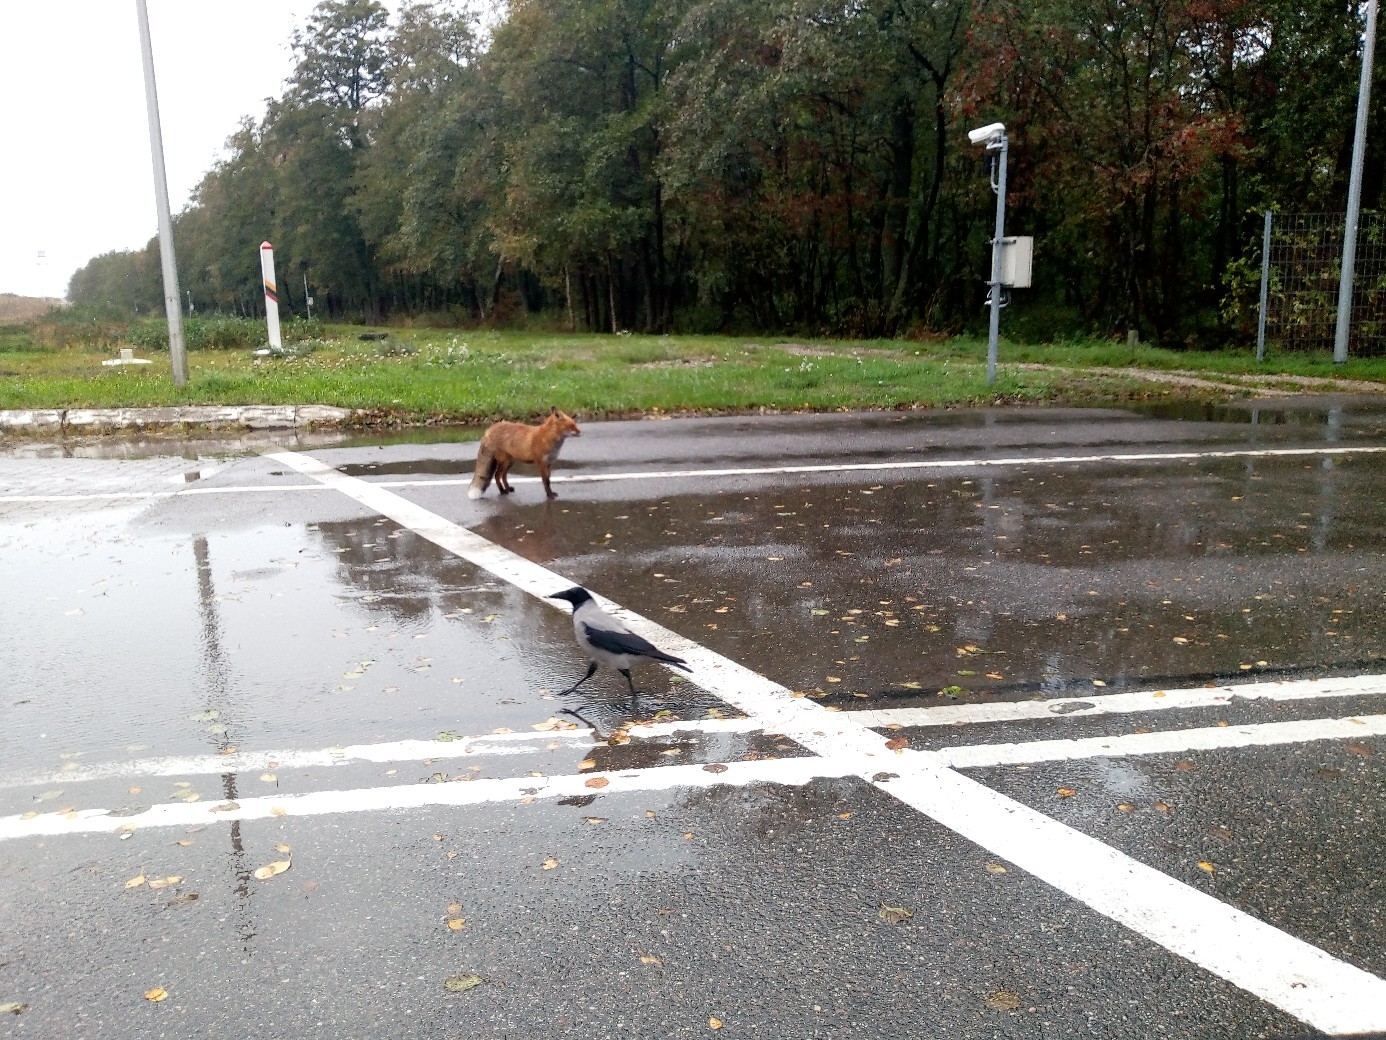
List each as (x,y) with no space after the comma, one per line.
(1268,385)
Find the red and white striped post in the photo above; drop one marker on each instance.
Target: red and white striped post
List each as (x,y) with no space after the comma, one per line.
(271,294)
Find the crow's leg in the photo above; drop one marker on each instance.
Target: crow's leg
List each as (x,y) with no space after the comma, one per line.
(591,671)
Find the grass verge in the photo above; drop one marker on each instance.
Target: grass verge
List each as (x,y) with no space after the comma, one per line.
(427,376)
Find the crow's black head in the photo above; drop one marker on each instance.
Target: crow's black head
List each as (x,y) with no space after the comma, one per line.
(577,596)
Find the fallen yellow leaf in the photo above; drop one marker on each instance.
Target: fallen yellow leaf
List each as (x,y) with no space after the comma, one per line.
(135,882)
(1203,864)
(648,959)
(1067,792)
(456,924)
(713,1022)
(550,863)
(596,781)
(156,994)
(271,869)
(894,914)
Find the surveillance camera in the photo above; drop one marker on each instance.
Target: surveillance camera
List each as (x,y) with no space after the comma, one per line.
(984,134)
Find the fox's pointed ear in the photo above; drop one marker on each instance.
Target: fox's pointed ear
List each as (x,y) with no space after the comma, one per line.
(553,410)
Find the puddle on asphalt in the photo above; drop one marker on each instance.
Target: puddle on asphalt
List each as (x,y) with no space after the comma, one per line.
(1326,411)
(277,637)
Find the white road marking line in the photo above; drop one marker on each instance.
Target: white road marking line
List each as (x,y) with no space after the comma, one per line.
(1124,703)
(792,771)
(1287,972)
(960,757)
(248,761)
(851,467)
(741,471)
(1177,741)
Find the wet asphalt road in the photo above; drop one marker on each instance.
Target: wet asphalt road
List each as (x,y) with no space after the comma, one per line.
(220,631)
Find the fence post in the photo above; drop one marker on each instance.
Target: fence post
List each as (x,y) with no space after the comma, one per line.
(1265,289)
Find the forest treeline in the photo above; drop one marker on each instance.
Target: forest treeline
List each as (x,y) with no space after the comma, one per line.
(777,165)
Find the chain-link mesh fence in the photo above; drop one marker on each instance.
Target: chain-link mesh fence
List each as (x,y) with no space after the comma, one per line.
(1306,255)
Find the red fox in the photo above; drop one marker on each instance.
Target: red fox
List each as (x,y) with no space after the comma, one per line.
(507,442)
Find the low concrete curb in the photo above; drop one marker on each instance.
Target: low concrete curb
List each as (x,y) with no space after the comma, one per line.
(243,417)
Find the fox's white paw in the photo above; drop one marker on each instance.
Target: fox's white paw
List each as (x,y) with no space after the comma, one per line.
(474,493)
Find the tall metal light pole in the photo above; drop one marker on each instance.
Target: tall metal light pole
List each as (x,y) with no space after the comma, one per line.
(172,306)
(993,135)
(1359,147)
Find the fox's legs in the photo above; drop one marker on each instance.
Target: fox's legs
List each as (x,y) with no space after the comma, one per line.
(544,470)
(591,671)
(503,476)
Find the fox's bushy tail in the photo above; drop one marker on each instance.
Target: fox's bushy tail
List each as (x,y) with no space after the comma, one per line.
(485,470)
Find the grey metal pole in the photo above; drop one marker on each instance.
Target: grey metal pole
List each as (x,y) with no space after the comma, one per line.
(172,305)
(1265,290)
(996,246)
(1359,147)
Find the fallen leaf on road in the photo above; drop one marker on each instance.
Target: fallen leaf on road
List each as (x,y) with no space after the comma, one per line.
(271,869)
(714,1022)
(156,994)
(456,924)
(1067,792)
(550,863)
(1360,750)
(1003,1000)
(649,959)
(462,983)
(596,781)
(995,868)
(1203,864)
(135,882)
(894,914)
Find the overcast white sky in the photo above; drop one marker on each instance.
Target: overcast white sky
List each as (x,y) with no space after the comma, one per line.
(76,177)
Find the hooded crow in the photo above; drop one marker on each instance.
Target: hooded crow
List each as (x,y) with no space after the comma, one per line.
(607,641)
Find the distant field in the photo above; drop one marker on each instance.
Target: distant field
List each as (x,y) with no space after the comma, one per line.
(16,309)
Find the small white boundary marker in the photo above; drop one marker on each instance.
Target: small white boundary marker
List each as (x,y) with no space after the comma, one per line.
(741,471)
